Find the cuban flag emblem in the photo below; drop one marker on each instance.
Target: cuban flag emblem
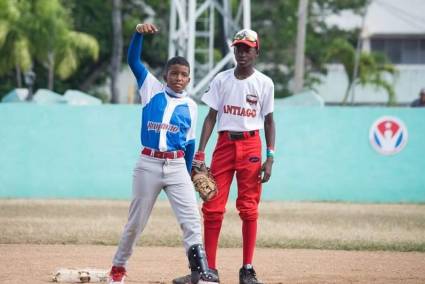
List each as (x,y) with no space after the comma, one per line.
(388,135)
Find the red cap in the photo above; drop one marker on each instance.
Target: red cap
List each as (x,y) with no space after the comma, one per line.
(248,37)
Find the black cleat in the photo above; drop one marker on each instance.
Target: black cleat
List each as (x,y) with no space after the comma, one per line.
(248,276)
(182,280)
(210,277)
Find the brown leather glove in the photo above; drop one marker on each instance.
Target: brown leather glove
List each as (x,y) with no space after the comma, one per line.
(204,182)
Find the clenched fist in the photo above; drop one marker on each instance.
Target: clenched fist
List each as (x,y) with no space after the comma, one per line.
(146,28)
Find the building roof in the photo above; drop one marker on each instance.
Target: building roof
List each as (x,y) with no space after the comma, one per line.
(384,17)
(395,17)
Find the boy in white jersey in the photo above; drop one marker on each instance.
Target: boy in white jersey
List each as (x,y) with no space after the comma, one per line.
(241,100)
(168,140)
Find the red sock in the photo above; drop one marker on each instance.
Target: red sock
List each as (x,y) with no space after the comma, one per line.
(249,234)
(211,234)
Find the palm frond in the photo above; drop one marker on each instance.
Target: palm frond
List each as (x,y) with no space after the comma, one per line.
(67,65)
(374,68)
(22,54)
(4,31)
(343,52)
(85,43)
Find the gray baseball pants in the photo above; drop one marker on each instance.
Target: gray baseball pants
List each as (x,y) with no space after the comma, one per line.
(151,175)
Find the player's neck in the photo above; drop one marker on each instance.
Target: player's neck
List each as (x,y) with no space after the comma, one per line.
(243,72)
(173,93)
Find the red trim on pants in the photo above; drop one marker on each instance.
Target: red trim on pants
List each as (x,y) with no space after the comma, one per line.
(242,157)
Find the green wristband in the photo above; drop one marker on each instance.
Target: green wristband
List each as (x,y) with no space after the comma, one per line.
(270,153)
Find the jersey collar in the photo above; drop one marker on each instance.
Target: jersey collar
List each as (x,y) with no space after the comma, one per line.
(173,94)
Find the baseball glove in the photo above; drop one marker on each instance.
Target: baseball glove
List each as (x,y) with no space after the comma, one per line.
(204,182)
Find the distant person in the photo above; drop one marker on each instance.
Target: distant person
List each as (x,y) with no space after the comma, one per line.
(419,102)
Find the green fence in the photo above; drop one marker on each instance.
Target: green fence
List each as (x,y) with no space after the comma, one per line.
(60,151)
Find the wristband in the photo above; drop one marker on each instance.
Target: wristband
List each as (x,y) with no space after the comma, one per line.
(270,153)
(199,156)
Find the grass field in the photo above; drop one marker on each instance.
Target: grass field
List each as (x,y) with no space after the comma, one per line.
(341,226)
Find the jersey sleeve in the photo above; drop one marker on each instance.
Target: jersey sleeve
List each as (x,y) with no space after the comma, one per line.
(211,96)
(268,99)
(150,87)
(188,155)
(133,58)
(147,83)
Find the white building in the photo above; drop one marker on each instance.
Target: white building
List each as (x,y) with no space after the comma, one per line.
(395,28)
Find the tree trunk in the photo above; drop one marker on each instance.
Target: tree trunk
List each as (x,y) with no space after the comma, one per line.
(116,49)
(18,75)
(347,93)
(51,70)
(95,72)
(300,48)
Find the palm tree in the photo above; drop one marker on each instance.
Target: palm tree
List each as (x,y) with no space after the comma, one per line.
(14,41)
(116,48)
(56,46)
(373,68)
(40,30)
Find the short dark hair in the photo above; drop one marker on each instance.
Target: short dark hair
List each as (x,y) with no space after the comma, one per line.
(176,60)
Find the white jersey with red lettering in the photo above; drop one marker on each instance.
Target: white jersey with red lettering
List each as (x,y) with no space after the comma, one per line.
(241,105)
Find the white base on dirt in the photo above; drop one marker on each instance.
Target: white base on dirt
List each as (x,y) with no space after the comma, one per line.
(80,275)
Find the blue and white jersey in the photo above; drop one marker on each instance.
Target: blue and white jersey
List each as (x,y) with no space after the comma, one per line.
(168,123)
(168,118)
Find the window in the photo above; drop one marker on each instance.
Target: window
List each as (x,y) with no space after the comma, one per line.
(401,50)
(378,45)
(422,51)
(410,51)
(393,50)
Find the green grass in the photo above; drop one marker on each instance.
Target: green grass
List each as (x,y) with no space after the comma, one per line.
(339,226)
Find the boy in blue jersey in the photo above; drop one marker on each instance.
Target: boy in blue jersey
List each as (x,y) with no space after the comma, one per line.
(168,142)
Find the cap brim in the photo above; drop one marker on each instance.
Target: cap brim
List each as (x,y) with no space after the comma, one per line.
(246,42)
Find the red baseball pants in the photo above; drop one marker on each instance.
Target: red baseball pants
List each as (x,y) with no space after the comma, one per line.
(243,157)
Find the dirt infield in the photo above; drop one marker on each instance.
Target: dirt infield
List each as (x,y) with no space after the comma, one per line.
(35,264)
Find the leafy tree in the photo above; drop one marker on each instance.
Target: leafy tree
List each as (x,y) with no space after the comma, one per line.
(40,32)
(94,17)
(14,39)
(373,68)
(276,22)
(56,46)
(91,17)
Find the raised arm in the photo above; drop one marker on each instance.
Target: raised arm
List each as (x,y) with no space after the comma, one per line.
(135,51)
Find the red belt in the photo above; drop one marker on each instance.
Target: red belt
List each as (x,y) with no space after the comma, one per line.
(239,135)
(163,155)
